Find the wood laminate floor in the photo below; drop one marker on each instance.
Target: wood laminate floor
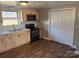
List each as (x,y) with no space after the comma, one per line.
(40,49)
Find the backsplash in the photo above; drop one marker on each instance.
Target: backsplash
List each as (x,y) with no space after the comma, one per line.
(12,27)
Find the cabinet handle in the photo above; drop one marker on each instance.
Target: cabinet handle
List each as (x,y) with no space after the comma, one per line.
(19,35)
(2,40)
(9,38)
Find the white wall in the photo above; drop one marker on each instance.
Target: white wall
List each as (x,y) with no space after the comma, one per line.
(43,22)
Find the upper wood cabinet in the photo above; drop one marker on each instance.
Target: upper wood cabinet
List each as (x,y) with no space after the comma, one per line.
(25,12)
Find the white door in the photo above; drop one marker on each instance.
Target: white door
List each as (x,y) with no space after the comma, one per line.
(62,26)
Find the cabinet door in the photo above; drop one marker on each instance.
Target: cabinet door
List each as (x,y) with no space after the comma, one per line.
(22,38)
(36,13)
(9,42)
(26,36)
(12,40)
(17,37)
(2,46)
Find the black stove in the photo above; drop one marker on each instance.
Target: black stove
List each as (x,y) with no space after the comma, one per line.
(34,32)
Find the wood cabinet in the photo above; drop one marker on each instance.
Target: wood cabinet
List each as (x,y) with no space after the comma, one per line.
(2,46)
(19,39)
(22,38)
(25,12)
(12,40)
(9,41)
(27,36)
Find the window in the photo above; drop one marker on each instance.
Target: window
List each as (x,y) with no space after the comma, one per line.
(10,18)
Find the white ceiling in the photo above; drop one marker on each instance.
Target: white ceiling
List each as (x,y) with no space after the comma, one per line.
(40,4)
(50,4)
(8,3)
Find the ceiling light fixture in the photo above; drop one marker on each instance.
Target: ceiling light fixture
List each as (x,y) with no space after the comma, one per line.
(24,3)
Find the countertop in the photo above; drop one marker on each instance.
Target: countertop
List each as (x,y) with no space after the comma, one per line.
(8,32)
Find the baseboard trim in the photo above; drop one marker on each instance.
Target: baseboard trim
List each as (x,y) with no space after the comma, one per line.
(73,46)
(46,38)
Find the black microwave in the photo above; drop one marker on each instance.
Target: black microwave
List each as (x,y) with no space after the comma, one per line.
(31,17)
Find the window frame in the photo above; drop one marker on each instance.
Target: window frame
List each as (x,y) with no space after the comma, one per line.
(18,18)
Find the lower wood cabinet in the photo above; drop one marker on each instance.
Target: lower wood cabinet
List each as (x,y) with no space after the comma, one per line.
(12,40)
(2,46)
(9,41)
(22,38)
(25,37)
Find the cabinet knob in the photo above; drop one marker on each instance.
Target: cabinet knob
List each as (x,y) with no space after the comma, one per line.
(2,40)
(10,38)
(19,35)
